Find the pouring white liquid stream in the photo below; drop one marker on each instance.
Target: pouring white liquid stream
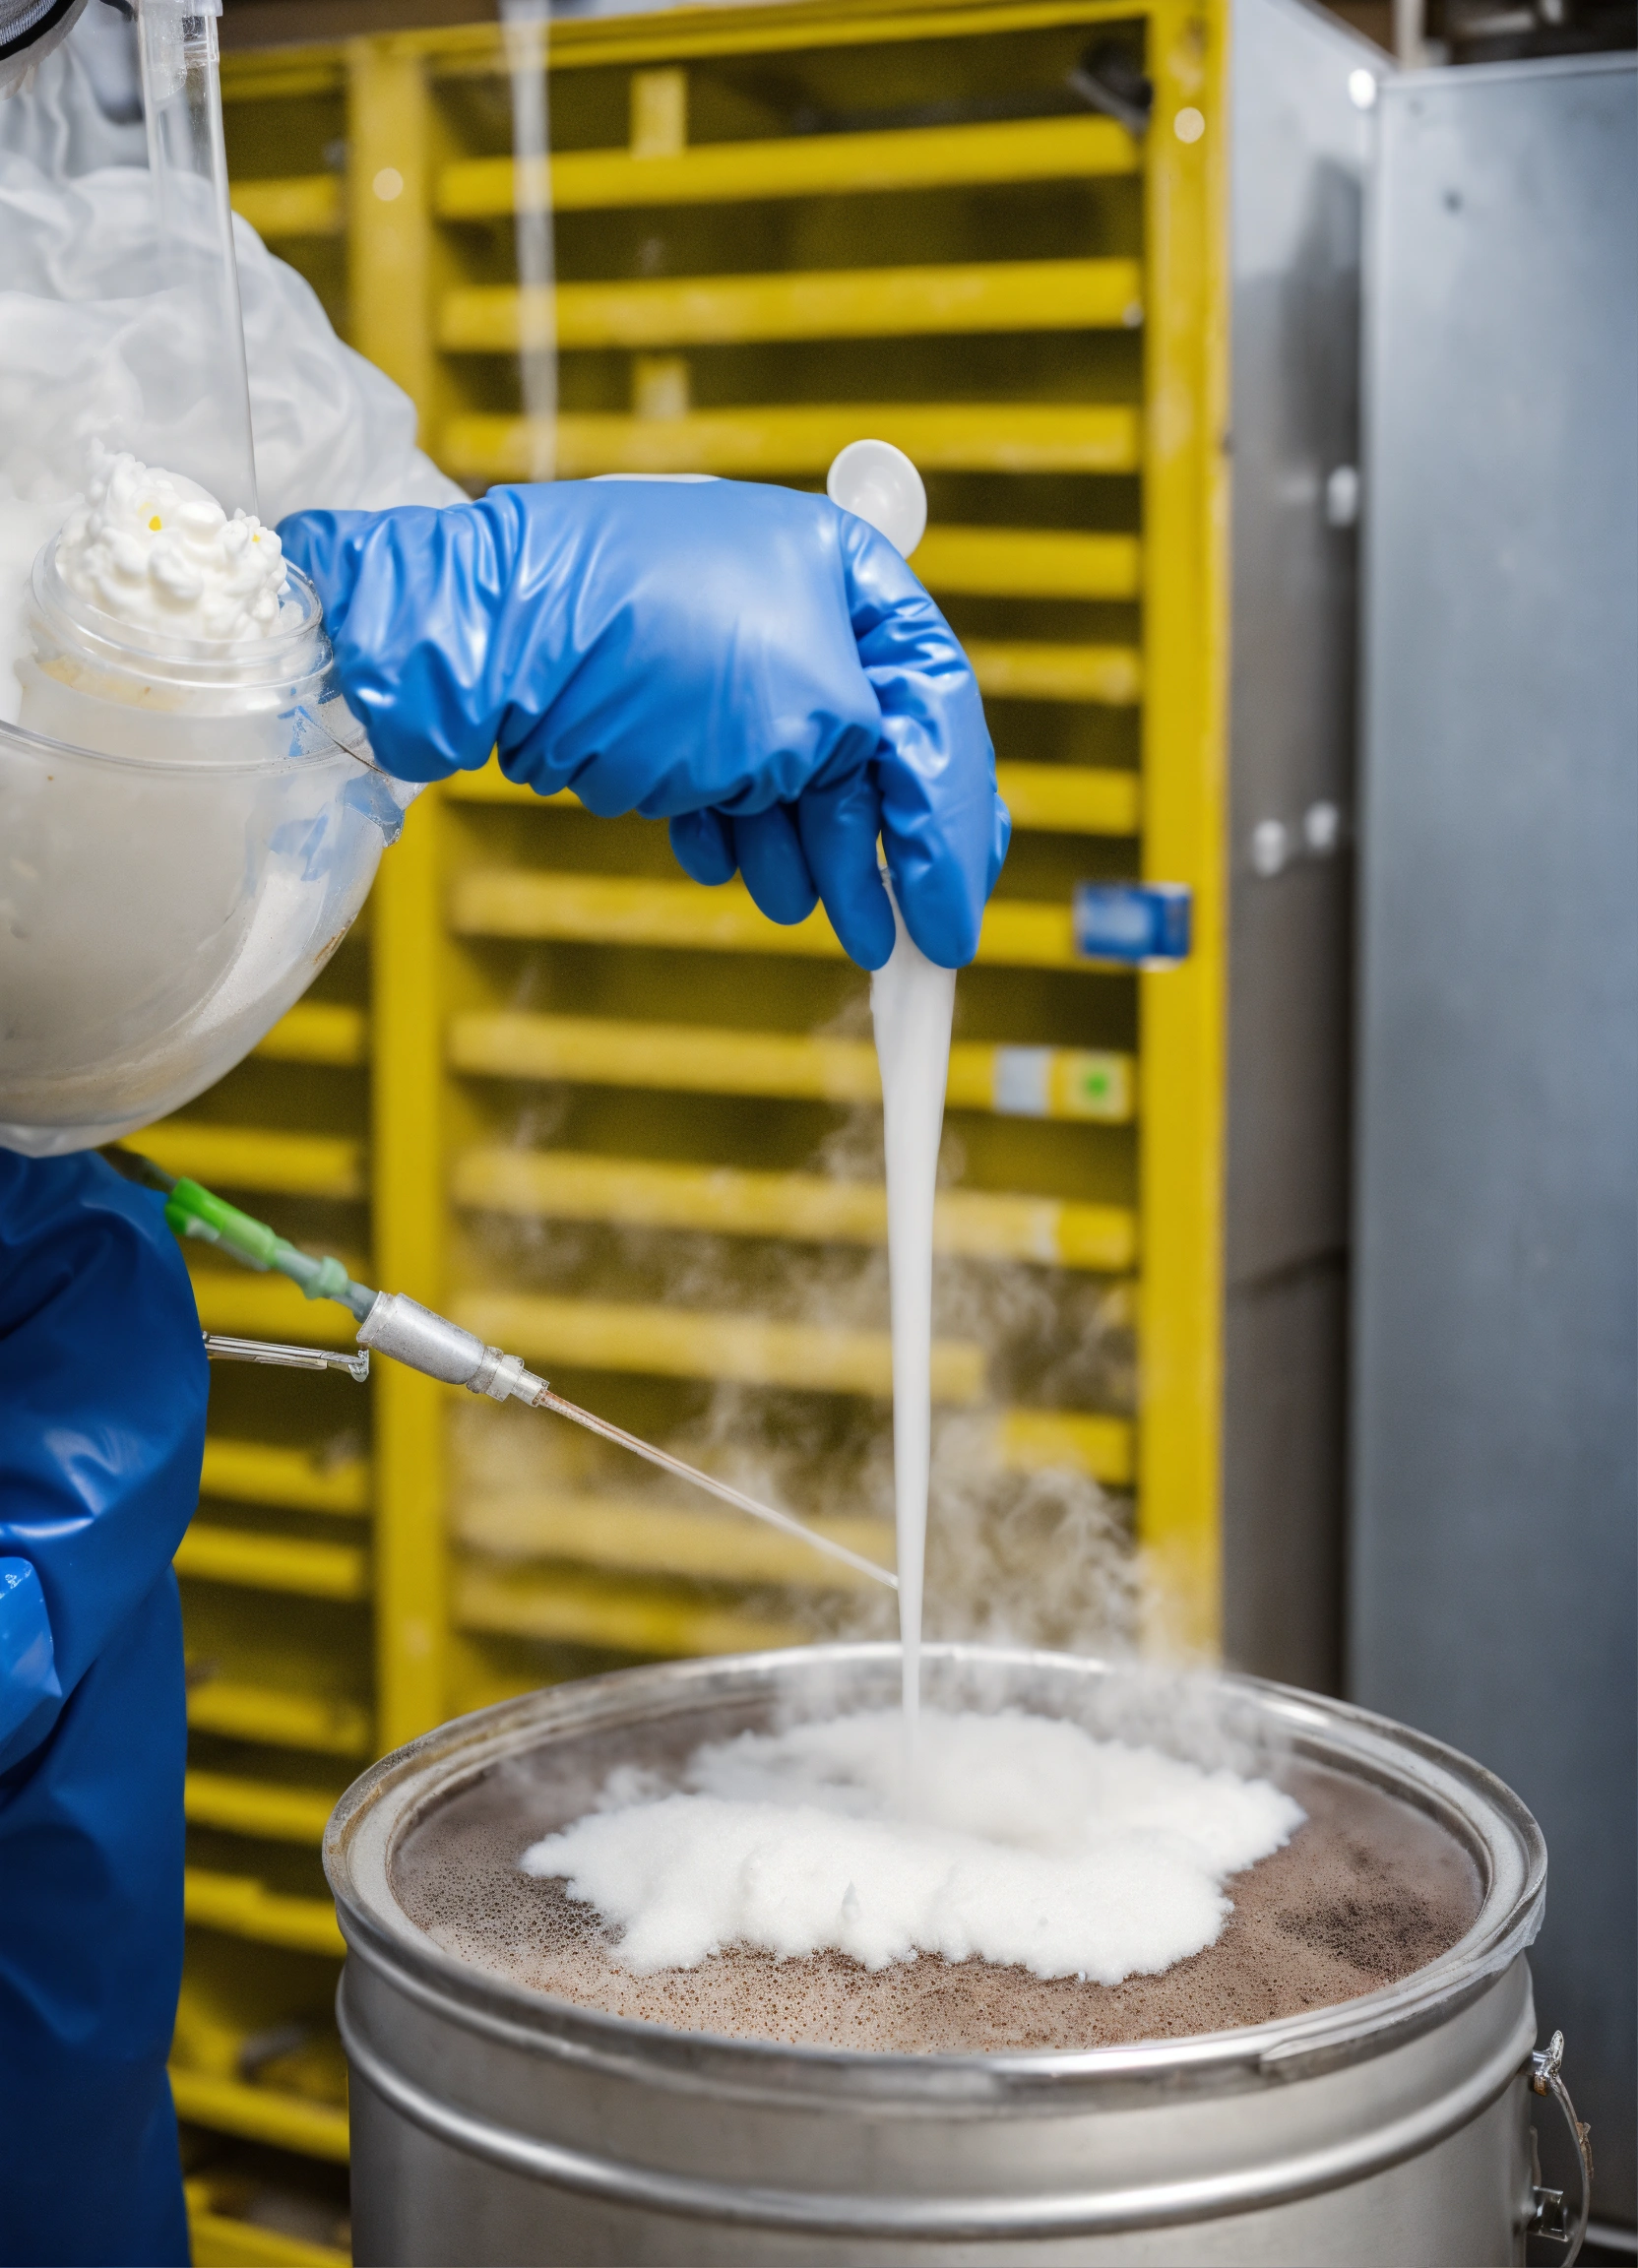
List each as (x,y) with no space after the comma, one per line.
(911,1002)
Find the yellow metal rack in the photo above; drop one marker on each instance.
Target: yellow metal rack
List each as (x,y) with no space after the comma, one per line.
(562,1092)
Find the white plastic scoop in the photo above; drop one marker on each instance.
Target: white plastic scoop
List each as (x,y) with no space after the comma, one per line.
(877,482)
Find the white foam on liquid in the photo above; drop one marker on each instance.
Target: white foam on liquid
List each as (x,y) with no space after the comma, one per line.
(1033,1843)
(912,1003)
(157,551)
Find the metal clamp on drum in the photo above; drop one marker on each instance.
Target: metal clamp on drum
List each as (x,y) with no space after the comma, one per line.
(1552,2220)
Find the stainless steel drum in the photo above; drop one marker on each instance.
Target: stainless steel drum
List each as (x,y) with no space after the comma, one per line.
(493,2124)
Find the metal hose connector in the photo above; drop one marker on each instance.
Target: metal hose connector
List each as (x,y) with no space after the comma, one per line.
(414,1334)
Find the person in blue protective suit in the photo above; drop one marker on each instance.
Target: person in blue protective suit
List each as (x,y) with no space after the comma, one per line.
(102,1382)
(754,665)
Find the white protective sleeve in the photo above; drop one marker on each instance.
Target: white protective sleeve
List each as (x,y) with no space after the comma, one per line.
(88,333)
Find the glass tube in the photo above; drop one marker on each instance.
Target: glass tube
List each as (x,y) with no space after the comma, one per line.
(526,27)
(181,87)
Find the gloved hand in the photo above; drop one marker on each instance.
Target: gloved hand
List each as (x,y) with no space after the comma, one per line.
(756,665)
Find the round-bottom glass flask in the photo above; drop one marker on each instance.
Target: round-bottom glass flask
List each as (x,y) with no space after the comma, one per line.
(187,831)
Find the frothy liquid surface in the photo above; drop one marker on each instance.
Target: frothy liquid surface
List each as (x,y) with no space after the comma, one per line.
(1365,1891)
(1031,1843)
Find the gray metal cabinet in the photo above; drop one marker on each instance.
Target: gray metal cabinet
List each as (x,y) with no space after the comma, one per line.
(1496,1229)
(1302,94)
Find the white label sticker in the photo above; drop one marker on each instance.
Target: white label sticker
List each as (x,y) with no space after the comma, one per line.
(1023,1082)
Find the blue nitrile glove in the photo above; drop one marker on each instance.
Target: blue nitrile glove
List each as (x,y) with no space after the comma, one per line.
(756,665)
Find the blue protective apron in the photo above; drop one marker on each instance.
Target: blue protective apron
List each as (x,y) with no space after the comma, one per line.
(102,1389)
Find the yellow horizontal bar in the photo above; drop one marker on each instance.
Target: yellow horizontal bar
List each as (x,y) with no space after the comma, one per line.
(242,1907)
(283,74)
(805,166)
(251,1158)
(1059,798)
(270,1307)
(606,909)
(210,1554)
(476,50)
(1013,670)
(637,1536)
(264,1713)
(1027,563)
(318,1031)
(829,303)
(261,2115)
(1040,1440)
(255,1808)
(589,1610)
(220,2240)
(701,1059)
(977,1225)
(301,205)
(681,1342)
(1070,798)
(251,1473)
(954,437)
(673,34)
(692,1058)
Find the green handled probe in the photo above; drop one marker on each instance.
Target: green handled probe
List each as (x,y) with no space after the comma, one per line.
(392,1324)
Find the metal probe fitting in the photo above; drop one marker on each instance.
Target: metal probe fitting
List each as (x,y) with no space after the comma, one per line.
(412,1334)
(220,1348)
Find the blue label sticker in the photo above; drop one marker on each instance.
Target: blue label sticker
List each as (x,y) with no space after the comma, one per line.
(1145,924)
